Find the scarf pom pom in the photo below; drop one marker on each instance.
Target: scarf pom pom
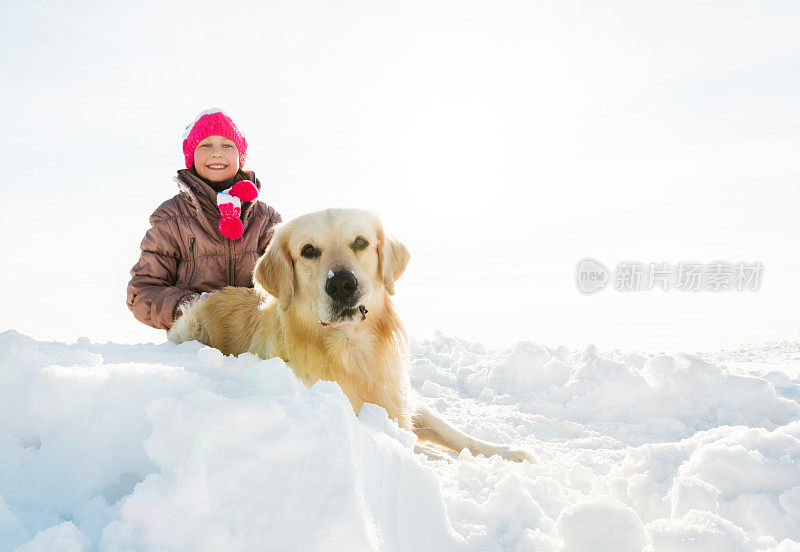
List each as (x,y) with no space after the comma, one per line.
(244,190)
(231,227)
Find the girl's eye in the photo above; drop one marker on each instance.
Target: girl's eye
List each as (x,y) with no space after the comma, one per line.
(205,145)
(310,252)
(359,244)
(227,145)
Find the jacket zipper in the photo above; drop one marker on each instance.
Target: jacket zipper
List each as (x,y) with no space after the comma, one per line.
(230,262)
(194,260)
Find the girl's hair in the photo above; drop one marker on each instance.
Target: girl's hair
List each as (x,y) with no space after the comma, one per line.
(240,175)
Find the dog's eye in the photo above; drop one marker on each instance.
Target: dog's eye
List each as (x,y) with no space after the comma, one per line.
(359,244)
(310,252)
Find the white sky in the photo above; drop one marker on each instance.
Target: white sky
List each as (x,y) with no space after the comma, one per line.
(501,141)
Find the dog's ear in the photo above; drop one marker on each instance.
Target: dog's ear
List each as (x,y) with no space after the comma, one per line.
(393,257)
(274,271)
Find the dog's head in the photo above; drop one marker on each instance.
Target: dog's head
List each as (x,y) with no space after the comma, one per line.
(331,266)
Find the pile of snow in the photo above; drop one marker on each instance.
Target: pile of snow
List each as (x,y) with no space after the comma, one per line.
(115,447)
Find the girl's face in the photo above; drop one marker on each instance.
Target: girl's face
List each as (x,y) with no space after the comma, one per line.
(216,159)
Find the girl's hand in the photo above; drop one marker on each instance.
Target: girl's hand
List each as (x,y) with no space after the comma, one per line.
(190,300)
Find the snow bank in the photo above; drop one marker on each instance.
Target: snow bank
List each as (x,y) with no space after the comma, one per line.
(234,474)
(163,447)
(677,395)
(153,456)
(638,450)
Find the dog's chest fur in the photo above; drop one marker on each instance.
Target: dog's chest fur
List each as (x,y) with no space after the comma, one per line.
(364,362)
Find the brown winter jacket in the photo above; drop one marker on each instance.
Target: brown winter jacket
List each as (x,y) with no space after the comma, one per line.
(184,252)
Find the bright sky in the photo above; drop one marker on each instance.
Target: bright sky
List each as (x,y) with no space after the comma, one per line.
(501,141)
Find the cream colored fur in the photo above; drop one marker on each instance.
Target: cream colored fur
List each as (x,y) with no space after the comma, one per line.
(289,315)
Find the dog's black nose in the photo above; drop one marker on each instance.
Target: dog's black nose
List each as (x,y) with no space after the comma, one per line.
(341,285)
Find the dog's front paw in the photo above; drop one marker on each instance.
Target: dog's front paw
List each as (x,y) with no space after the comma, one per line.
(431,453)
(516,455)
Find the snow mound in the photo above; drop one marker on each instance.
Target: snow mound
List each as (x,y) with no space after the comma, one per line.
(152,456)
(602,524)
(110,447)
(234,473)
(699,531)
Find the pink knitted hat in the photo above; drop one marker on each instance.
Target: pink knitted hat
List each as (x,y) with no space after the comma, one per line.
(212,122)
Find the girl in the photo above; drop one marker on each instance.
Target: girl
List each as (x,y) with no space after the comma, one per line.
(209,235)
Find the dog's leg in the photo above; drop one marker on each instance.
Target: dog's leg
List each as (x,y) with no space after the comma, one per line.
(430,426)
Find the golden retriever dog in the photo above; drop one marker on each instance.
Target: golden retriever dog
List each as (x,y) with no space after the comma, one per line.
(322,303)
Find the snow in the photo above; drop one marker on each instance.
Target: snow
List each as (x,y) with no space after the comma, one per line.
(115,447)
(585,526)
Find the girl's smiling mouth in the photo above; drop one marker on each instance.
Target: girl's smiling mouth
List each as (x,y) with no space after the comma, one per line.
(217,167)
